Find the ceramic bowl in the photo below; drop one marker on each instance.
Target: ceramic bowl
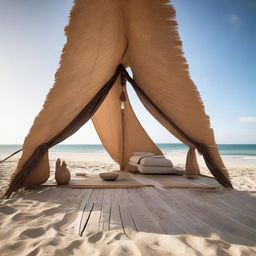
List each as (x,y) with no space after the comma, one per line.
(109,176)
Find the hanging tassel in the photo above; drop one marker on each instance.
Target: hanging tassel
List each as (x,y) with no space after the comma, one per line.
(122,97)
(192,168)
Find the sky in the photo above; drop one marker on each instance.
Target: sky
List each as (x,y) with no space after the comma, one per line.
(219,43)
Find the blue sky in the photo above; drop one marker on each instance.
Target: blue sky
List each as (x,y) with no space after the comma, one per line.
(219,39)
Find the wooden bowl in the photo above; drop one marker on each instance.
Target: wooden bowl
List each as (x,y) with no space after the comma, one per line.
(108,176)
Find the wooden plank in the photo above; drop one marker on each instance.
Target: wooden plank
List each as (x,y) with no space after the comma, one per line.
(178,214)
(88,210)
(243,198)
(141,215)
(76,225)
(144,180)
(104,223)
(129,207)
(132,211)
(94,220)
(126,218)
(224,225)
(174,181)
(236,200)
(206,182)
(111,186)
(95,182)
(228,213)
(235,220)
(162,217)
(206,176)
(237,213)
(209,180)
(115,218)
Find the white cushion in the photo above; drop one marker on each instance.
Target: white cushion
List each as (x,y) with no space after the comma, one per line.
(143,154)
(159,170)
(156,161)
(135,159)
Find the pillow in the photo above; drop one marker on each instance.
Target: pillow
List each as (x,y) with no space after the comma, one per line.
(135,159)
(160,170)
(156,161)
(143,154)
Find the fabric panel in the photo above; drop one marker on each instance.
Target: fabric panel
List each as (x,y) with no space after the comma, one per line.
(108,124)
(27,173)
(89,59)
(215,165)
(156,59)
(192,167)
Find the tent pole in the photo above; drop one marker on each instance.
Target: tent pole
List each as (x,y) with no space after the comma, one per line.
(122,129)
(122,140)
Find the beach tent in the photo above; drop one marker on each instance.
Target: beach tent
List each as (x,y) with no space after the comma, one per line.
(103,39)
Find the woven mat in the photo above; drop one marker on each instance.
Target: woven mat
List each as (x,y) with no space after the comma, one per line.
(94,181)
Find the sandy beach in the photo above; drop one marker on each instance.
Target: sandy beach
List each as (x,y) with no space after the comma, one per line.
(36,223)
(170,78)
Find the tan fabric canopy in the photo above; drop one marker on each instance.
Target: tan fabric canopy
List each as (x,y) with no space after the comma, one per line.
(102,34)
(108,123)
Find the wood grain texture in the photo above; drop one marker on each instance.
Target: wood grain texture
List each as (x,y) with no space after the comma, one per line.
(228,213)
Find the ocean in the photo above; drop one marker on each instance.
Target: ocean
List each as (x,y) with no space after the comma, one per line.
(244,152)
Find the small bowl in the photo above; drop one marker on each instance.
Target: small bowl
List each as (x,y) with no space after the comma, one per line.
(108,176)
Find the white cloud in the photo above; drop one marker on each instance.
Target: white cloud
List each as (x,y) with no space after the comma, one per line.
(247,119)
(234,19)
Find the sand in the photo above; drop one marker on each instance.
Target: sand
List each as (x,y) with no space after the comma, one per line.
(33,224)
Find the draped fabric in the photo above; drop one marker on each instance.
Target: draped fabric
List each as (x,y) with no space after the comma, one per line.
(210,153)
(108,124)
(35,170)
(192,168)
(102,34)
(156,58)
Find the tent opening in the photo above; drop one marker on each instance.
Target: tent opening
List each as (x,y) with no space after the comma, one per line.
(111,106)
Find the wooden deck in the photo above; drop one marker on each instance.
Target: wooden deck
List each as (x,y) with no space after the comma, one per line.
(229,213)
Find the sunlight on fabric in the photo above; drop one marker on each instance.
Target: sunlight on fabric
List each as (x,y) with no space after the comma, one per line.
(88,135)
